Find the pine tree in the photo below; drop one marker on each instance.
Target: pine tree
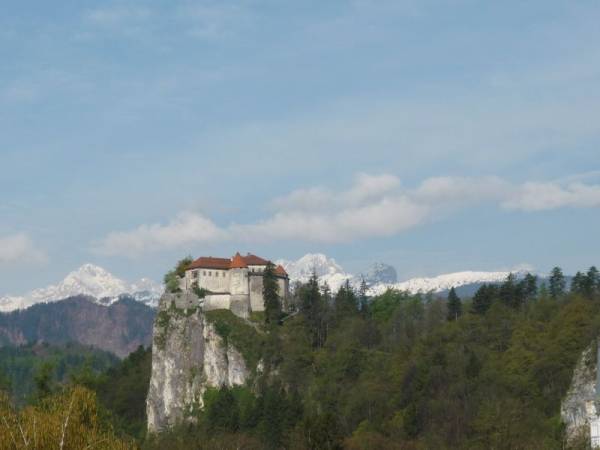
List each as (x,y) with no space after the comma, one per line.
(345,301)
(454,305)
(363,299)
(483,298)
(529,286)
(557,283)
(508,291)
(271,296)
(314,309)
(578,284)
(592,282)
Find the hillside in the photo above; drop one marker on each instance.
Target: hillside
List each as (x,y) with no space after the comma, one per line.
(398,373)
(21,366)
(119,328)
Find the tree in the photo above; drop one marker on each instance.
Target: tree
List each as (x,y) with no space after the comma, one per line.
(69,420)
(511,293)
(346,303)
(592,282)
(314,310)
(182,266)
(557,283)
(44,381)
(173,277)
(454,305)
(578,284)
(483,298)
(363,299)
(222,412)
(529,286)
(271,296)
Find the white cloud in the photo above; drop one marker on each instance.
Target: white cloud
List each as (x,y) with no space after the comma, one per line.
(186,229)
(20,248)
(546,196)
(374,206)
(384,217)
(366,188)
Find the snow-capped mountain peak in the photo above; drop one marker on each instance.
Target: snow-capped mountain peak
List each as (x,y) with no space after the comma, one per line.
(441,283)
(380,277)
(327,270)
(89,280)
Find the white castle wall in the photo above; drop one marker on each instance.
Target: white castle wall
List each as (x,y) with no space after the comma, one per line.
(256,295)
(239,290)
(238,284)
(213,280)
(222,301)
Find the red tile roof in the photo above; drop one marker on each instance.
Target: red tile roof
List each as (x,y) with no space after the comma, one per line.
(238,262)
(253,260)
(208,262)
(279,270)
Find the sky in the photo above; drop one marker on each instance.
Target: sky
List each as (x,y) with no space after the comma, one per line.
(435,136)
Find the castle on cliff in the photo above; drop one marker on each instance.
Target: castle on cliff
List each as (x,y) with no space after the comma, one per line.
(234,283)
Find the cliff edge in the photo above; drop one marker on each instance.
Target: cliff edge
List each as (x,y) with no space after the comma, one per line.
(192,351)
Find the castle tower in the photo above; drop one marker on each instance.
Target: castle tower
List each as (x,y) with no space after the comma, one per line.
(239,287)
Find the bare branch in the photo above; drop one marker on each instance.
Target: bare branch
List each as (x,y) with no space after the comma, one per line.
(66,424)
(9,430)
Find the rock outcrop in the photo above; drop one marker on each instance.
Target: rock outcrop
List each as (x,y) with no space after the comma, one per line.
(188,356)
(579,409)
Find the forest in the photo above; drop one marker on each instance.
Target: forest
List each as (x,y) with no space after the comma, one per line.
(345,371)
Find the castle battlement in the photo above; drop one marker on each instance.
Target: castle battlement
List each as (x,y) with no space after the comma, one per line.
(233,283)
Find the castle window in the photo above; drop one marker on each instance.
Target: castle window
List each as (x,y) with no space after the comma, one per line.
(204,272)
(195,274)
(209,273)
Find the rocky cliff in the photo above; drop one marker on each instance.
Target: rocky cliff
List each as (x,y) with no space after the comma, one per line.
(579,407)
(191,352)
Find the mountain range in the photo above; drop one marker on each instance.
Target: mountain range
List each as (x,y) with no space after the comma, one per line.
(91,281)
(118,328)
(101,287)
(380,277)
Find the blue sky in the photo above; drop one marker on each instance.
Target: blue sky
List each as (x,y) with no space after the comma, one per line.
(433,135)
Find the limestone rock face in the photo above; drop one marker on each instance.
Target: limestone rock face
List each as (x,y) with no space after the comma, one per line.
(188,356)
(578,409)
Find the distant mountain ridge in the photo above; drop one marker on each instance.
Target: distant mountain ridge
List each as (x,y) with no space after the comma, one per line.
(380,277)
(89,280)
(118,328)
(103,288)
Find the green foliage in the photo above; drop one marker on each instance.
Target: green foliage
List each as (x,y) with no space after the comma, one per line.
(454,305)
(557,283)
(345,302)
(34,371)
(397,374)
(122,390)
(171,278)
(43,380)
(314,307)
(270,295)
(171,281)
(239,333)
(66,420)
(483,298)
(182,266)
(200,292)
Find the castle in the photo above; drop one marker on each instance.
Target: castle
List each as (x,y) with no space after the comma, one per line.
(235,284)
